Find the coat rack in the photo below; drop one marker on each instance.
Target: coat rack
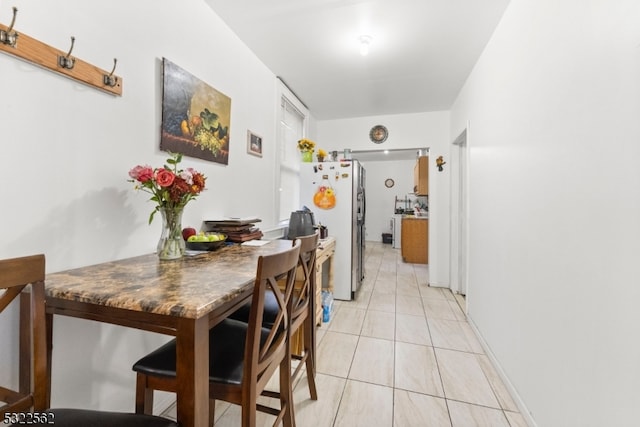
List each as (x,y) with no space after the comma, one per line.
(24,47)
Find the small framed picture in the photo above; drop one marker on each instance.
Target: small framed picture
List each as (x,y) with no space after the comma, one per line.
(254,144)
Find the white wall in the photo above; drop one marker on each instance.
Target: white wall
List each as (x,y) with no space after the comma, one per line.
(407,131)
(66,150)
(553,107)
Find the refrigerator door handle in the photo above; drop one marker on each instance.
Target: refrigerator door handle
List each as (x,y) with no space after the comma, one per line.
(364,206)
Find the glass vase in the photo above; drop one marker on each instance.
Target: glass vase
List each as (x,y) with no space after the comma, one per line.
(171,244)
(307,156)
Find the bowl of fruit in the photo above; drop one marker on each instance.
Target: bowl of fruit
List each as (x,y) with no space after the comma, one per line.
(203,241)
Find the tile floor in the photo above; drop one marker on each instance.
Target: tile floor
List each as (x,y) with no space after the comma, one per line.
(401,354)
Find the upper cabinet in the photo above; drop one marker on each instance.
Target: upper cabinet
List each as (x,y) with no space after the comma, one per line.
(421,176)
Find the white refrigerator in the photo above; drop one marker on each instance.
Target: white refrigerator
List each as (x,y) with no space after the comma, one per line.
(335,193)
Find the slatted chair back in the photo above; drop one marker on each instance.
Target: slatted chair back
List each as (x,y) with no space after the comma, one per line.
(304,290)
(264,356)
(23,279)
(302,309)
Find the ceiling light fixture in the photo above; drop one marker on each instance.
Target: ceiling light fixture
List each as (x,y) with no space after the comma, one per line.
(365,41)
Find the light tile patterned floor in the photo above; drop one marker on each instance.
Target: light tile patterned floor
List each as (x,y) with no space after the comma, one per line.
(400,355)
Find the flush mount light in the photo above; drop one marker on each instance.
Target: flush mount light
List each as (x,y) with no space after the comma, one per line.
(365,41)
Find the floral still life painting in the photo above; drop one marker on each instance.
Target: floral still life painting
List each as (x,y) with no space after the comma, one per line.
(196,118)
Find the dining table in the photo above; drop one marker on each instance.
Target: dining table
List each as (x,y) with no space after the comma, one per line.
(182,298)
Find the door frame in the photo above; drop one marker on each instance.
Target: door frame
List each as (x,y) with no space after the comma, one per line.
(459,256)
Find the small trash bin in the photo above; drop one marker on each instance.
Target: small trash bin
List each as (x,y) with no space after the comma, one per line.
(386,238)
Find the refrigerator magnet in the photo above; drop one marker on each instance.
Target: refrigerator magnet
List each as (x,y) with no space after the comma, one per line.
(325,196)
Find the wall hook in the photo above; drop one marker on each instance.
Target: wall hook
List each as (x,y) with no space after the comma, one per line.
(109,79)
(7,37)
(440,162)
(67,61)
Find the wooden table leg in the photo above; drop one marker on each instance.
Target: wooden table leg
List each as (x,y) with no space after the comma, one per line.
(192,370)
(49,325)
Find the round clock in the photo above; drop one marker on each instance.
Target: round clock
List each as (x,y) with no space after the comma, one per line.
(389,183)
(378,134)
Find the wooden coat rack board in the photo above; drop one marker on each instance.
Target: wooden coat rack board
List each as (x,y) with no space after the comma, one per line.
(46,56)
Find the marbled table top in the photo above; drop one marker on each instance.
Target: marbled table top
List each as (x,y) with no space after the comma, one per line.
(189,287)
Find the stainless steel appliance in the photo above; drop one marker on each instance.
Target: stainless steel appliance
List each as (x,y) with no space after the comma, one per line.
(335,192)
(301,223)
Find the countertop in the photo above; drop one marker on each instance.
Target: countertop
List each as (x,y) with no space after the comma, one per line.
(187,287)
(414,217)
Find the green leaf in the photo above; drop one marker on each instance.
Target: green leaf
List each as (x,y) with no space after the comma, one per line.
(153,212)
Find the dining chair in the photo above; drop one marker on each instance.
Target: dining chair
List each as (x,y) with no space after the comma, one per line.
(302,308)
(26,402)
(242,356)
(302,312)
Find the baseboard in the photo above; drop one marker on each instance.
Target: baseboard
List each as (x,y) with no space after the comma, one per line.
(524,411)
(439,285)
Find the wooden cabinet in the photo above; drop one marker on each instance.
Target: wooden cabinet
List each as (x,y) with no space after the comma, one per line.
(421,176)
(415,240)
(324,272)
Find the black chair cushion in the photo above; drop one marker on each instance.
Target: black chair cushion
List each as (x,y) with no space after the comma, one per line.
(226,354)
(86,418)
(271,310)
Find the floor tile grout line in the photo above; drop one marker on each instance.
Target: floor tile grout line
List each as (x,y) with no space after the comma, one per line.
(400,272)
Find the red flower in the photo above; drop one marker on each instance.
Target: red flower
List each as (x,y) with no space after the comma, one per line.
(141,173)
(178,189)
(170,187)
(164,177)
(198,183)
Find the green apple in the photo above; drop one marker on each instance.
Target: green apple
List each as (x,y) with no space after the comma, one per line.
(201,237)
(193,238)
(214,237)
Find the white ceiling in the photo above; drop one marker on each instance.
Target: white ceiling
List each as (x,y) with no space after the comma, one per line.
(421,53)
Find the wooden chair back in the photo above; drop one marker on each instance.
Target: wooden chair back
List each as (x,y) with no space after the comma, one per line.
(304,291)
(302,309)
(264,355)
(18,276)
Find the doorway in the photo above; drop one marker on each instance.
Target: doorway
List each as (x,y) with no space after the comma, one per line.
(459,213)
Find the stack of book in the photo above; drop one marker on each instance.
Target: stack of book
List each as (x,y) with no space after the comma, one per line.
(237,229)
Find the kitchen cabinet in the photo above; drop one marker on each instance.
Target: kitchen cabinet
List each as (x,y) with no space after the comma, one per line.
(421,176)
(415,240)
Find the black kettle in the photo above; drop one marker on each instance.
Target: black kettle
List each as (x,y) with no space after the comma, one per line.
(301,224)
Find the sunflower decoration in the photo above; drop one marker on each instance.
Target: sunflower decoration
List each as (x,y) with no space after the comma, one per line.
(306,145)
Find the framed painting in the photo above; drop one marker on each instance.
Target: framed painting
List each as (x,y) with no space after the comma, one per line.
(254,144)
(196,118)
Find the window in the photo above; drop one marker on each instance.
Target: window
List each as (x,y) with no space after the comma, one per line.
(292,124)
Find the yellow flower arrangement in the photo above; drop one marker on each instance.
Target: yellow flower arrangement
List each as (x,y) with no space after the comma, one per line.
(306,145)
(322,153)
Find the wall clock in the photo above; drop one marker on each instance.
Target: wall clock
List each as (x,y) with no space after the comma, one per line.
(378,134)
(389,183)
